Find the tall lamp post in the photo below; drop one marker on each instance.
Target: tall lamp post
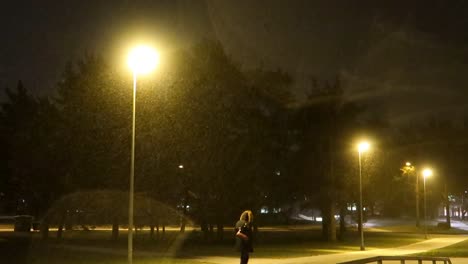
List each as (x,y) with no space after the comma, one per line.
(185,199)
(426,173)
(142,60)
(416,190)
(362,147)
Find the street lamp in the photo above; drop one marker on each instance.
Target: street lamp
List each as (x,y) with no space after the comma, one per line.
(410,169)
(185,198)
(426,173)
(142,60)
(362,147)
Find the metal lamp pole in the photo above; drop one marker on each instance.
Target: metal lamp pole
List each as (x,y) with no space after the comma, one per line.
(362,147)
(426,173)
(417,199)
(132,176)
(425,213)
(142,59)
(360,203)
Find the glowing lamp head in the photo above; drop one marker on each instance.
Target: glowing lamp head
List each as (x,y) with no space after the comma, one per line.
(427,173)
(408,164)
(143,59)
(363,146)
(181,166)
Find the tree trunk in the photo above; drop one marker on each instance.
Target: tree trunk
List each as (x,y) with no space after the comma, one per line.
(204,229)
(360,221)
(60,231)
(61,226)
(184,213)
(331,185)
(325,224)
(220,232)
(329,222)
(152,231)
(447,207)
(183,221)
(342,221)
(157,231)
(211,232)
(332,227)
(45,229)
(182,225)
(115,229)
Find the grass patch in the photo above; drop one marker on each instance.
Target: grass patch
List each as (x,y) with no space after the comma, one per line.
(71,257)
(78,247)
(302,243)
(456,250)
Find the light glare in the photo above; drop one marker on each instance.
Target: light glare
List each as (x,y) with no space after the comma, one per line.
(363,146)
(427,173)
(143,59)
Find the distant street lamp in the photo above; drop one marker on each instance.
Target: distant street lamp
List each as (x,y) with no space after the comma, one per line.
(416,190)
(426,173)
(142,60)
(362,147)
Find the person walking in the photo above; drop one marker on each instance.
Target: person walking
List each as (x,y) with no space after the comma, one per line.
(244,236)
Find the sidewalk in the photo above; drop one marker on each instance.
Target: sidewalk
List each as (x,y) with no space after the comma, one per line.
(430,244)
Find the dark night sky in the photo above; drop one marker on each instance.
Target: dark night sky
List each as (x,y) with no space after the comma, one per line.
(410,55)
